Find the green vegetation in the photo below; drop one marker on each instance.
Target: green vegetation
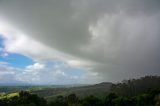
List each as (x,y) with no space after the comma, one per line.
(136,92)
(98,89)
(130,87)
(10,89)
(23,98)
(9,95)
(150,98)
(136,86)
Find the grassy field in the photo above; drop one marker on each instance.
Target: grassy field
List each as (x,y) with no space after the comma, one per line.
(8,95)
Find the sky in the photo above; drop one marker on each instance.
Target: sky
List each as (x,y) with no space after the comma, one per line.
(78,41)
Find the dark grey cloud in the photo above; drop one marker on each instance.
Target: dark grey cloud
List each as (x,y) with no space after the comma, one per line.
(122,36)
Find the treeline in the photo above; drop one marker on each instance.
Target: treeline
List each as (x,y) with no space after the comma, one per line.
(150,98)
(23,99)
(136,92)
(134,87)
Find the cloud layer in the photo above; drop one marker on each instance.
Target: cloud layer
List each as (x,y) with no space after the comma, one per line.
(116,39)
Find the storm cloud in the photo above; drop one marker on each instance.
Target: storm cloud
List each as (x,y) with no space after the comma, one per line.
(119,38)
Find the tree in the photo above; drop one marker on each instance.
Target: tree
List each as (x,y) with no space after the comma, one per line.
(109,100)
(91,101)
(59,101)
(72,99)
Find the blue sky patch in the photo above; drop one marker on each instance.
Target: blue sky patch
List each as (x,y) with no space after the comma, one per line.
(17,60)
(13,59)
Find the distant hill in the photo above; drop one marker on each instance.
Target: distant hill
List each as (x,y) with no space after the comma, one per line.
(126,88)
(130,87)
(98,89)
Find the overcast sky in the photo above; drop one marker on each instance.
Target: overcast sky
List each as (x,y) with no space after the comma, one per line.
(78,41)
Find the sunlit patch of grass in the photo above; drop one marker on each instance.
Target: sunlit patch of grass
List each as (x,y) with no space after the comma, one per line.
(9,95)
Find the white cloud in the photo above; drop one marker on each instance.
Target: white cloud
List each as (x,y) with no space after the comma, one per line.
(7,74)
(44,73)
(82,64)
(41,73)
(112,38)
(36,66)
(14,41)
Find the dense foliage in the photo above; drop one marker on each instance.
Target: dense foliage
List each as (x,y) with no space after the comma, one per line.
(150,98)
(130,87)
(23,99)
(140,92)
(136,86)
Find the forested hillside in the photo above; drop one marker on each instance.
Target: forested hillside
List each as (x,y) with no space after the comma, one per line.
(136,86)
(135,92)
(130,87)
(150,98)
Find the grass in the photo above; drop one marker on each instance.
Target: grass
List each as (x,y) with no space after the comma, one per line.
(2,96)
